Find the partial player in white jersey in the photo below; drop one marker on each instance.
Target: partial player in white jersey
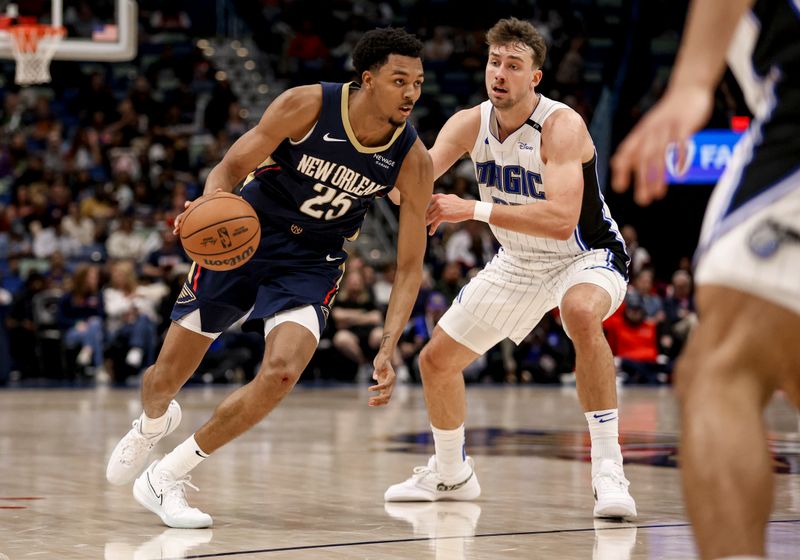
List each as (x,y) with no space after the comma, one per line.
(747,263)
(536,166)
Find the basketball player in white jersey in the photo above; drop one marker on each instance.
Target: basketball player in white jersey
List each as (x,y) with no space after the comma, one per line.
(747,265)
(536,168)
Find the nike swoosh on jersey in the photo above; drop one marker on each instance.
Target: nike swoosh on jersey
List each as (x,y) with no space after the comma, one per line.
(332,259)
(329,138)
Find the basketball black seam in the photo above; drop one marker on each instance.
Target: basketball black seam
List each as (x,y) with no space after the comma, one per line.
(216,224)
(214,197)
(223,252)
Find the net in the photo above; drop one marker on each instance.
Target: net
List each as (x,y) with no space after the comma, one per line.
(34,46)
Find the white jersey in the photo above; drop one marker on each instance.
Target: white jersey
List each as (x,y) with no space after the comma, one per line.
(511,172)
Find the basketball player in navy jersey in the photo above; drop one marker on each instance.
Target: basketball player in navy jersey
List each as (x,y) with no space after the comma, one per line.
(747,263)
(536,169)
(321,154)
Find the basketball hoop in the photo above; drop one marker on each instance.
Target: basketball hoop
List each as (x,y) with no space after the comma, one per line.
(33,46)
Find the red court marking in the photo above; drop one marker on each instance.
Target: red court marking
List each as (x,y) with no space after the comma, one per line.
(22,498)
(13,507)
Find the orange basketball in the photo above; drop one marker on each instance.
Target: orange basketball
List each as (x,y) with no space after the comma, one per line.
(220,231)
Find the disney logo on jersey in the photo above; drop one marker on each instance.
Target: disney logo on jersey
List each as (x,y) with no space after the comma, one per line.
(511,179)
(384,162)
(339,176)
(524,146)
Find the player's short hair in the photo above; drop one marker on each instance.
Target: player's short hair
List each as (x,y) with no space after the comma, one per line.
(373,49)
(511,31)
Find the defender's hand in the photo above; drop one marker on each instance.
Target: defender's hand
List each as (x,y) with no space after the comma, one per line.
(447,208)
(678,115)
(386,378)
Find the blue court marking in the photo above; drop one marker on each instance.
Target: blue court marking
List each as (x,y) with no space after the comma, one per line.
(428,539)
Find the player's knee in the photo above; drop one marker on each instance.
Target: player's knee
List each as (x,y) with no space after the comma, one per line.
(432,364)
(581,321)
(704,374)
(158,380)
(279,371)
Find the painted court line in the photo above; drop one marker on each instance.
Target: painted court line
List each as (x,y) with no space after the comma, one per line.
(425,539)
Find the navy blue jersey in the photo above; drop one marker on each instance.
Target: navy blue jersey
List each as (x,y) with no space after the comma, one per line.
(310,196)
(765,58)
(320,187)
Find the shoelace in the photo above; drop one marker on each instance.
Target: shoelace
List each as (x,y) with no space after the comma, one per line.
(612,480)
(176,489)
(421,472)
(135,444)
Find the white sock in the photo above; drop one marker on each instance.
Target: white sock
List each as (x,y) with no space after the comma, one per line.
(604,431)
(450,454)
(152,426)
(182,459)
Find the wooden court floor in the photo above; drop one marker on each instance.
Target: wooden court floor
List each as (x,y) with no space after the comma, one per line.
(308,482)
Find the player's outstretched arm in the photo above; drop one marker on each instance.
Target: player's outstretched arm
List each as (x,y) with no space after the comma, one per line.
(687,103)
(415,183)
(290,115)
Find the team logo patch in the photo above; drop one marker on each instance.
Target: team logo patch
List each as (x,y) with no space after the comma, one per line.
(186,295)
(224,237)
(768,236)
(295,229)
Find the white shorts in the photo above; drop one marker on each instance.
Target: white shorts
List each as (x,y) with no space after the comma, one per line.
(760,255)
(509,297)
(305,316)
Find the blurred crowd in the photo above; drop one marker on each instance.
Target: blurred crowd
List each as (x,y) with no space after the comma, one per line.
(95,167)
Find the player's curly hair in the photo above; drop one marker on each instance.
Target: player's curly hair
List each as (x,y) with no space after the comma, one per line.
(373,49)
(512,30)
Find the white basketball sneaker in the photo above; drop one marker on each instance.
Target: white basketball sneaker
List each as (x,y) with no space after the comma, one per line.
(611,492)
(426,485)
(129,457)
(165,495)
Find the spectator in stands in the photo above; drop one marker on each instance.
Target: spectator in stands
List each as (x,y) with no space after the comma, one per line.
(125,243)
(131,317)
(57,274)
(470,245)
(79,227)
(419,329)
(679,310)
(21,323)
(644,284)
(358,322)
(53,239)
(309,53)
(633,339)
(160,263)
(80,317)
(546,352)
(451,281)
(640,257)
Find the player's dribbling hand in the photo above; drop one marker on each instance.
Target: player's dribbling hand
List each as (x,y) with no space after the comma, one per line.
(385,376)
(679,114)
(176,228)
(447,208)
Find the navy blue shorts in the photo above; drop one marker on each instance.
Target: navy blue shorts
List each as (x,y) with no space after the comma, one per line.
(283,274)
